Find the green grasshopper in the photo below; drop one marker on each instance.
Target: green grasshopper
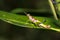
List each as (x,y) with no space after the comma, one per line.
(37,22)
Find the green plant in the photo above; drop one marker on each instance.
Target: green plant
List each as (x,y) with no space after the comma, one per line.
(22,20)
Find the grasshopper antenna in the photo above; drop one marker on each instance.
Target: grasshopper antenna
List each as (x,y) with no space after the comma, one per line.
(25,13)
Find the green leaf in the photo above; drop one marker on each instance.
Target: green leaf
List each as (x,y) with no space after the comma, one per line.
(22,20)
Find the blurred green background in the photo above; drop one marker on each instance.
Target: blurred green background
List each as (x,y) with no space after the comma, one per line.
(13,32)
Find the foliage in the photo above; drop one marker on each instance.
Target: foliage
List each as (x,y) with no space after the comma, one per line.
(23,21)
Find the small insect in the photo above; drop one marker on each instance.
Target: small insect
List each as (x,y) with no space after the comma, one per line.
(37,22)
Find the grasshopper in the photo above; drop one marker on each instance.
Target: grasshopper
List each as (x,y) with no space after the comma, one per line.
(37,22)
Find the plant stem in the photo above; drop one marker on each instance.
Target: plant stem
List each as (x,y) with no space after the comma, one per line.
(58,30)
(53,9)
